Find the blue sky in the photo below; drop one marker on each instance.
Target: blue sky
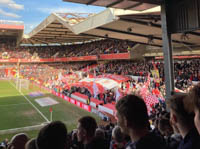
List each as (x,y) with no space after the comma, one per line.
(33,12)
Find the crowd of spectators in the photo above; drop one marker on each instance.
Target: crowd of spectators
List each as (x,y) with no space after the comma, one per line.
(75,50)
(50,75)
(185,71)
(109,96)
(135,129)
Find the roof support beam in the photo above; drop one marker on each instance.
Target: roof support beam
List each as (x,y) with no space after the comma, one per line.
(40,41)
(125,32)
(141,22)
(65,38)
(55,27)
(53,33)
(133,6)
(31,41)
(151,17)
(114,3)
(53,23)
(120,39)
(91,2)
(62,31)
(194,33)
(158,2)
(62,36)
(141,35)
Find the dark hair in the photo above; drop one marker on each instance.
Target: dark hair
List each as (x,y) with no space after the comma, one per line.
(134,109)
(89,124)
(18,141)
(117,134)
(164,125)
(176,103)
(31,144)
(194,94)
(53,135)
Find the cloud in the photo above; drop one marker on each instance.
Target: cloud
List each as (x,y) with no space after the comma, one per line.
(11,4)
(8,14)
(84,9)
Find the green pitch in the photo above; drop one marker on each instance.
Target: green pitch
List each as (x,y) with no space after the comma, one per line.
(19,110)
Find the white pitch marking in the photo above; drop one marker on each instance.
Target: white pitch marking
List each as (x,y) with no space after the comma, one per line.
(31,103)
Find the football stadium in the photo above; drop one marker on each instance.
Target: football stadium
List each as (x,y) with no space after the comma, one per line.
(127,77)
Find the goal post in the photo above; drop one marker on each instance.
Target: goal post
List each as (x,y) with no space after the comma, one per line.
(22,84)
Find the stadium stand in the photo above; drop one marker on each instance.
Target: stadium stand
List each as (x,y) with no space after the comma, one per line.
(85,49)
(141,120)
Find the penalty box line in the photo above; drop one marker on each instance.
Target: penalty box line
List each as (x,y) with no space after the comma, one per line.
(31,103)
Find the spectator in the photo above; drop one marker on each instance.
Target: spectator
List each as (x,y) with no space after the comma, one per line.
(52,136)
(99,133)
(31,144)
(165,127)
(18,141)
(4,143)
(118,139)
(133,119)
(182,122)
(194,104)
(86,134)
(172,140)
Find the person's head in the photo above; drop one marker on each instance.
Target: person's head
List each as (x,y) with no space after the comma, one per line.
(117,134)
(53,135)
(86,128)
(31,144)
(99,133)
(179,117)
(165,127)
(132,113)
(18,141)
(74,134)
(6,140)
(193,103)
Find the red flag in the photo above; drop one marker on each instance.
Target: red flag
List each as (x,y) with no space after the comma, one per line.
(150,100)
(50,109)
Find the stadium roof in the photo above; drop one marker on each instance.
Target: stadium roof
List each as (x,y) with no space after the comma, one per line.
(57,28)
(11,30)
(138,5)
(142,27)
(138,26)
